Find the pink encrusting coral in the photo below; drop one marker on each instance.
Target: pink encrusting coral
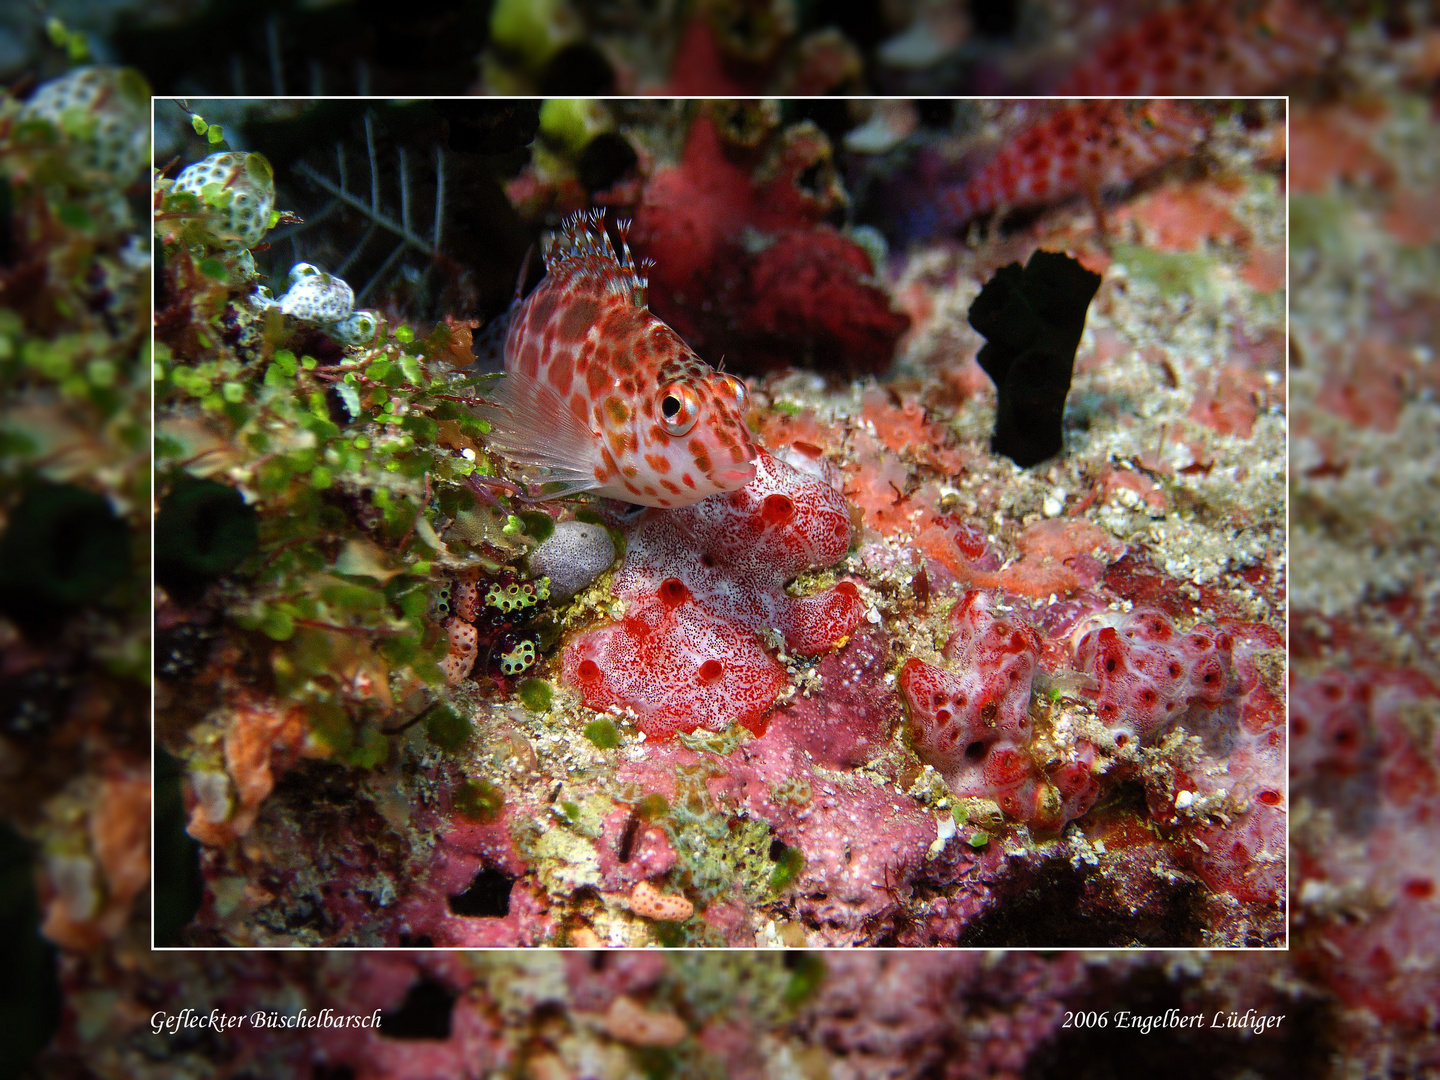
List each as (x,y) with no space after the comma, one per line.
(701,582)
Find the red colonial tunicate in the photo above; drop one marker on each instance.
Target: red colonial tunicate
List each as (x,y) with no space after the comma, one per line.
(1246,858)
(1149,673)
(672,675)
(970,720)
(702,583)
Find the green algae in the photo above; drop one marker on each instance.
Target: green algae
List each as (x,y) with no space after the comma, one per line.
(603,733)
(479,801)
(536,695)
(447,729)
(789,864)
(1191,273)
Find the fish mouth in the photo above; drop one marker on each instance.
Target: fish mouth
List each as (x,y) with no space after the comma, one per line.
(737,477)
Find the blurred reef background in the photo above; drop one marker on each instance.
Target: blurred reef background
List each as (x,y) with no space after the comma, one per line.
(1357,987)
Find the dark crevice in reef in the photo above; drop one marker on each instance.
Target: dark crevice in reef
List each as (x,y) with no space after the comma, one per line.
(424,1014)
(1063,906)
(488,895)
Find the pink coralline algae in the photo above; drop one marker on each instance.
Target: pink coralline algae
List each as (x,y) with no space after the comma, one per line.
(700,583)
(748,236)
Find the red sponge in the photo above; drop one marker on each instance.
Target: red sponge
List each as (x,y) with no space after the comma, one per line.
(971,720)
(1149,673)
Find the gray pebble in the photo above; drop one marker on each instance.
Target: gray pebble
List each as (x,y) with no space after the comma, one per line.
(572,557)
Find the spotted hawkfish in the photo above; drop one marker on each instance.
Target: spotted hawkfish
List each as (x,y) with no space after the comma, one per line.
(1214,47)
(600,395)
(1085,147)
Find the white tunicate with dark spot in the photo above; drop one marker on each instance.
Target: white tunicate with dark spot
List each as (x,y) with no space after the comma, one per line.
(573,556)
(319,299)
(242,190)
(358,328)
(103,116)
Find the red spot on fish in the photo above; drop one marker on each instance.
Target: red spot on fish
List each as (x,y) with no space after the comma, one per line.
(530,360)
(562,378)
(576,319)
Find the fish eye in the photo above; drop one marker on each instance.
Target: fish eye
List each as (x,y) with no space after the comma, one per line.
(679,409)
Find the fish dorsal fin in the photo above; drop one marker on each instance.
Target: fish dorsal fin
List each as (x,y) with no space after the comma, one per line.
(534,427)
(581,252)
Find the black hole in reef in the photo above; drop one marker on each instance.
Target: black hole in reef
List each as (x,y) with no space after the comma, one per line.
(975,751)
(577,70)
(626,846)
(424,1014)
(810,178)
(777,850)
(488,895)
(606,158)
(936,114)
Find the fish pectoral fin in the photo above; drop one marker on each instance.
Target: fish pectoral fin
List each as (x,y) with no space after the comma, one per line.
(534,427)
